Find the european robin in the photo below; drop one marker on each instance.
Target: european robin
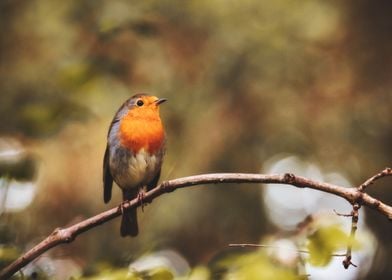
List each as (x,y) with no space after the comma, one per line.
(134,153)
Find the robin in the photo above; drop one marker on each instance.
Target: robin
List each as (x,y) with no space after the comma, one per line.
(134,153)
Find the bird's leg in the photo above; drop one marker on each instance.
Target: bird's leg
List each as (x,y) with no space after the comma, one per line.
(122,209)
(140,197)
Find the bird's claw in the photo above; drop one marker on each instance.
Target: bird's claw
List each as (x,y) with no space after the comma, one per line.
(122,207)
(140,198)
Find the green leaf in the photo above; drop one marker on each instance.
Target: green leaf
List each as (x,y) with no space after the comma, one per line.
(324,242)
(113,274)
(257,266)
(8,253)
(160,274)
(200,273)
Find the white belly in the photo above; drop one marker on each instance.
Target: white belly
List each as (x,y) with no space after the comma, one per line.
(135,171)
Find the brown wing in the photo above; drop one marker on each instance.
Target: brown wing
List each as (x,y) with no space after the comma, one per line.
(107,178)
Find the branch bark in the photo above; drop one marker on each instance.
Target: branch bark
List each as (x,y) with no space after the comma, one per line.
(67,235)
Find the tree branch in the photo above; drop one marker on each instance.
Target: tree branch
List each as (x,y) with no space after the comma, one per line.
(67,235)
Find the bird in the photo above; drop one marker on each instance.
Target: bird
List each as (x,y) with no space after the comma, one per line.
(134,154)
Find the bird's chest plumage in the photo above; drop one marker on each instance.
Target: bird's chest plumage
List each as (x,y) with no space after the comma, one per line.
(136,151)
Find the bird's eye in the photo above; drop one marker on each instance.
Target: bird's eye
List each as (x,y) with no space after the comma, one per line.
(140,103)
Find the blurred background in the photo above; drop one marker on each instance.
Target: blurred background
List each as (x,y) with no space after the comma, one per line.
(253,86)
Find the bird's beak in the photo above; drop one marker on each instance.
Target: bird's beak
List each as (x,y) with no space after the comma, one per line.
(160,101)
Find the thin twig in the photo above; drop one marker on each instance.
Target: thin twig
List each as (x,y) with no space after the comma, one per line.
(354,226)
(67,235)
(250,245)
(342,215)
(386,172)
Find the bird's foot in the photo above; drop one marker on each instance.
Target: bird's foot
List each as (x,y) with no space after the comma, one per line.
(122,206)
(140,198)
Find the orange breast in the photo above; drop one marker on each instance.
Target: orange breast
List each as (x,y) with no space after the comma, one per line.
(142,129)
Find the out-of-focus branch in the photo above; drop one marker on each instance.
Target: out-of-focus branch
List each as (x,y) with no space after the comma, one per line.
(67,235)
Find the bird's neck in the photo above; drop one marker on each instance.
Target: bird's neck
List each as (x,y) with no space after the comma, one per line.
(142,131)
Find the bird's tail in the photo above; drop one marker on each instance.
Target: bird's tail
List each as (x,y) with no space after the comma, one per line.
(129,225)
